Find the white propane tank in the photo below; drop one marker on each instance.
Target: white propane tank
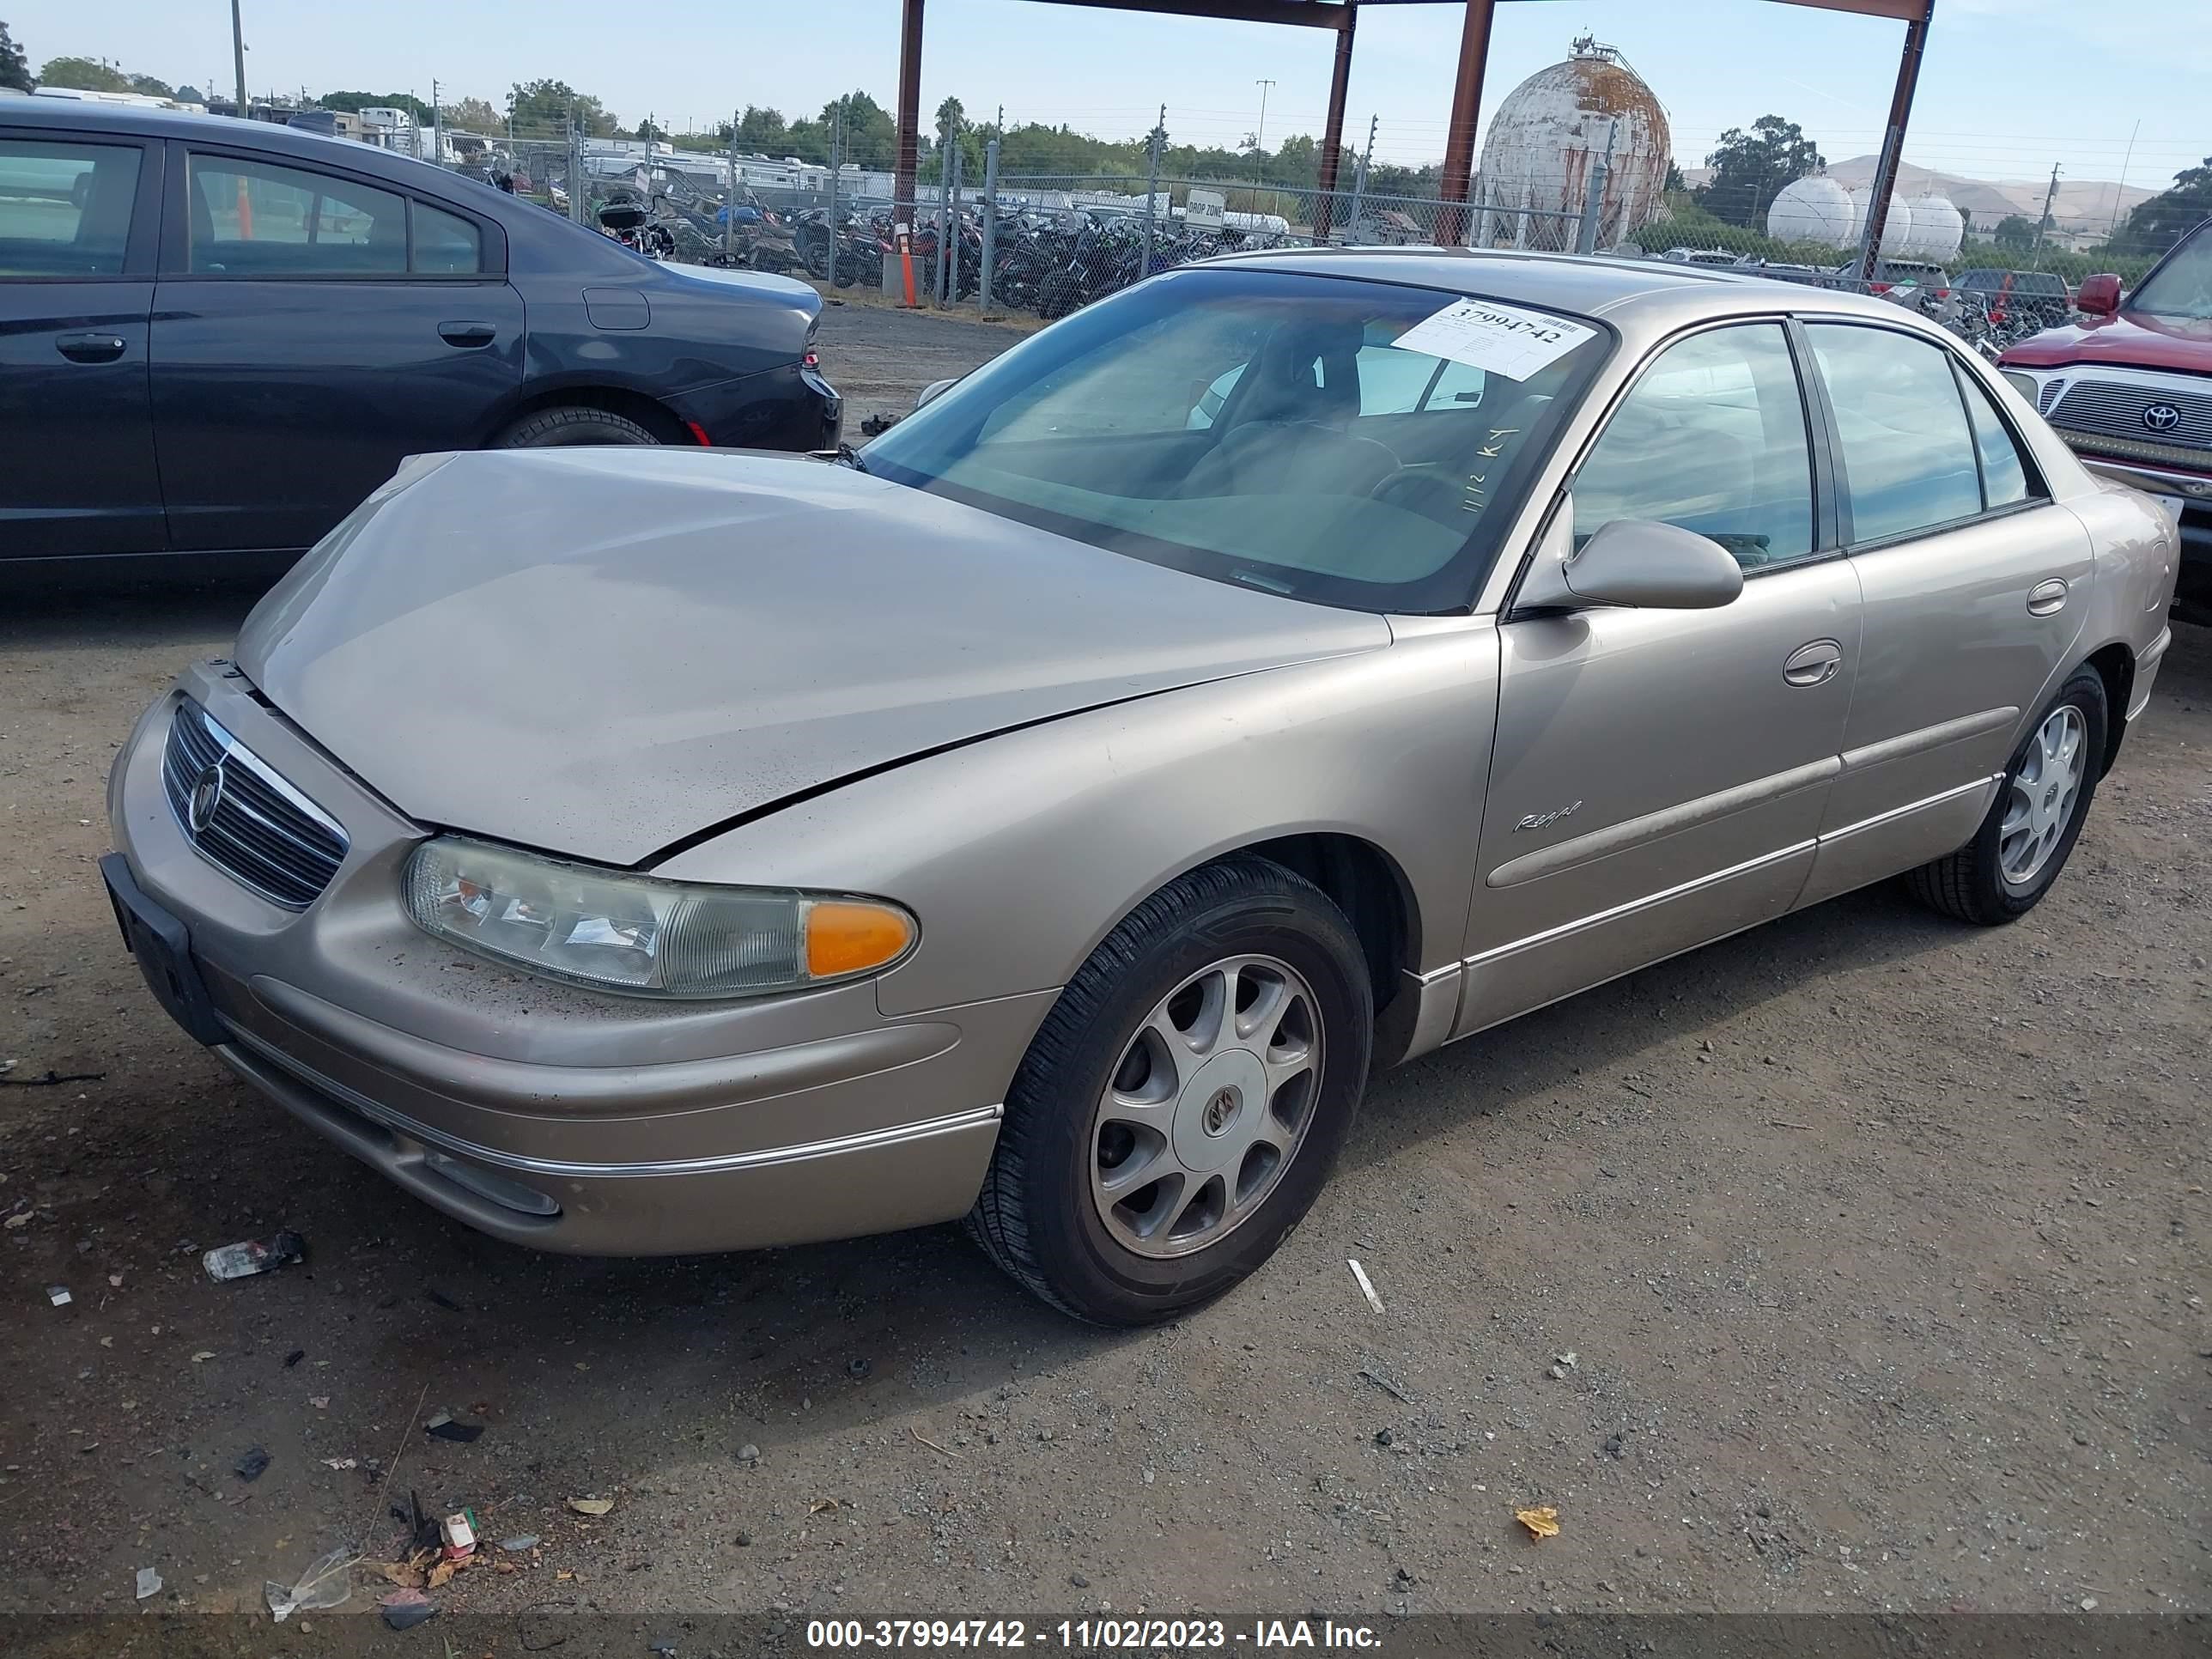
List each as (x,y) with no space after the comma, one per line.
(1815,209)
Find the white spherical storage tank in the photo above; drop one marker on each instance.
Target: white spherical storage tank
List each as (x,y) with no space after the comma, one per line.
(1814,210)
(1896,229)
(1937,229)
(1545,142)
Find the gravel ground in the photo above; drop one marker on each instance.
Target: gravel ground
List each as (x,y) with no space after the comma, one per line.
(1857,1263)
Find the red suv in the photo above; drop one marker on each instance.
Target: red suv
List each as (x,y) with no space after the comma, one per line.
(2129,387)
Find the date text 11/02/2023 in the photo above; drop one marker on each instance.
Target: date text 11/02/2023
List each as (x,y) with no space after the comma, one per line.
(1093,1635)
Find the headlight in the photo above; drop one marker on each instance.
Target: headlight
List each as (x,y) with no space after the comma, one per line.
(2023,384)
(643,936)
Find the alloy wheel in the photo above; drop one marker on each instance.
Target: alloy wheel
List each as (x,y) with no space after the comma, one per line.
(1206,1107)
(2042,794)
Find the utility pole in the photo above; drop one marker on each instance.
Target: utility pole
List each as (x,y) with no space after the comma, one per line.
(437,126)
(2043,222)
(1152,190)
(836,142)
(237,56)
(1359,183)
(730,202)
(1260,135)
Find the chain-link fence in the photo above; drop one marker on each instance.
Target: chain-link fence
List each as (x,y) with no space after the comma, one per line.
(1049,244)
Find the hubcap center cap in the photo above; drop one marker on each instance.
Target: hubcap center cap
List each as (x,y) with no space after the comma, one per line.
(1221,1110)
(1218,1108)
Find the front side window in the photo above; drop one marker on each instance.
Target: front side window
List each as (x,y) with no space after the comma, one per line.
(250,218)
(2182,287)
(1907,455)
(65,209)
(1712,438)
(1288,432)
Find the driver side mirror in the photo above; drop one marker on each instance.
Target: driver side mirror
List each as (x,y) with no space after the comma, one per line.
(2099,296)
(935,389)
(1632,562)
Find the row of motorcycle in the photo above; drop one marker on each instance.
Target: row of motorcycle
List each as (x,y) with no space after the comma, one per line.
(1050,264)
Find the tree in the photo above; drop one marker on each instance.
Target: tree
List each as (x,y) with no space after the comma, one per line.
(650,131)
(1749,169)
(763,130)
(474,115)
(13,71)
(2015,234)
(540,107)
(151,86)
(2157,224)
(83,75)
(189,93)
(353,103)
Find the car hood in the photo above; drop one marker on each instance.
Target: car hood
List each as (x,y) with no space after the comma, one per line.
(2135,339)
(601,652)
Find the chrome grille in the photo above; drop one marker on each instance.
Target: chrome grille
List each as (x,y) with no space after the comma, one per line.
(2114,409)
(2052,389)
(251,825)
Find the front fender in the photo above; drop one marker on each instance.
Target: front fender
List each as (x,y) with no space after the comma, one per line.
(1020,853)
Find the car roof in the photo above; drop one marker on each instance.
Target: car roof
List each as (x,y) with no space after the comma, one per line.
(1659,293)
(75,115)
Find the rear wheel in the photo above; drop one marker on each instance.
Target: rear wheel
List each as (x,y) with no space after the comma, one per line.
(570,425)
(2033,825)
(1179,1110)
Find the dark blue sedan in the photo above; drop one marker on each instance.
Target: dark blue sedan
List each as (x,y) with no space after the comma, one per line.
(218,335)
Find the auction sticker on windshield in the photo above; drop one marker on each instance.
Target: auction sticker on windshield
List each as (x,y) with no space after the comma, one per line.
(1498,339)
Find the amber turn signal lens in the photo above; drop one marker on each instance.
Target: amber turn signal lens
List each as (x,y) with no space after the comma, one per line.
(843,937)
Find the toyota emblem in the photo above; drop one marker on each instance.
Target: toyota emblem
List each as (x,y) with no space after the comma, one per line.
(207,791)
(2162,417)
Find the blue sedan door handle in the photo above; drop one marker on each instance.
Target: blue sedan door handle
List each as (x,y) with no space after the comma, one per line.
(467,334)
(94,348)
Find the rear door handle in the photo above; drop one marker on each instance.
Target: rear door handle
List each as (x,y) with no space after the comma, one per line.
(2045,598)
(1815,664)
(90,347)
(468,334)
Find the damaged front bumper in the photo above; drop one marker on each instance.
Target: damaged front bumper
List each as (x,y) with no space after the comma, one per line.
(543,1114)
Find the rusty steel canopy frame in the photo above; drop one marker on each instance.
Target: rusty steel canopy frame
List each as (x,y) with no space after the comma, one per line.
(1343,16)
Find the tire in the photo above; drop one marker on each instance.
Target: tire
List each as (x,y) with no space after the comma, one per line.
(1971,884)
(1039,1215)
(569,426)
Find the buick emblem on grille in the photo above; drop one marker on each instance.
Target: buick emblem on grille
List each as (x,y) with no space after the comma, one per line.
(2162,417)
(207,790)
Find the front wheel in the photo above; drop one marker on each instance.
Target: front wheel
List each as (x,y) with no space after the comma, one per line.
(1179,1109)
(2033,825)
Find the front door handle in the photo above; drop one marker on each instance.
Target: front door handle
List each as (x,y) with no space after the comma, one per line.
(90,347)
(1815,664)
(2045,598)
(468,334)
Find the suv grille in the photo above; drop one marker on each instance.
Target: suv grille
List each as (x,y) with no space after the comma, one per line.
(242,818)
(2114,409)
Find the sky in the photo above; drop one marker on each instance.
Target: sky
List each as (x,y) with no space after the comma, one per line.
(2007,87)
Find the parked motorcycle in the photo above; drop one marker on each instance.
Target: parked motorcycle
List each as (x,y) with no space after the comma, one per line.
(631,224)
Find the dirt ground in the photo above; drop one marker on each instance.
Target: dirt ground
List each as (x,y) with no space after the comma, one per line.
(1877,1247)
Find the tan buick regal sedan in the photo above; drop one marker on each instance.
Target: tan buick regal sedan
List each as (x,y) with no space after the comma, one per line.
(1051,814)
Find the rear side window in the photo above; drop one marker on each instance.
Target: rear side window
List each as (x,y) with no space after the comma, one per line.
(445,244)
(1908,457)
(65,209)
(250,218)
(2004,474)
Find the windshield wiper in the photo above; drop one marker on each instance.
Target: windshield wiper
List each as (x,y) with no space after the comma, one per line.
(843,455)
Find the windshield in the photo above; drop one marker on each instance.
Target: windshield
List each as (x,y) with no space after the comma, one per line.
(2182,286)
(1354,443)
